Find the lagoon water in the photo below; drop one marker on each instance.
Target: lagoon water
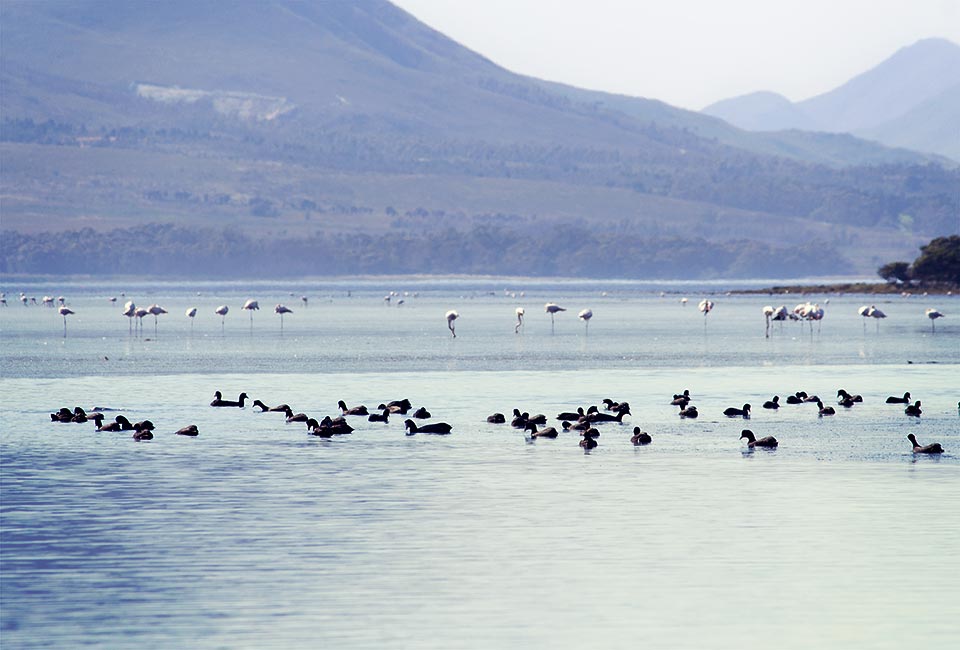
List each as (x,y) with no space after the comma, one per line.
(256,534)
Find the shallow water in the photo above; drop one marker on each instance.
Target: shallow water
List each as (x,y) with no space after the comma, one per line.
(256,534)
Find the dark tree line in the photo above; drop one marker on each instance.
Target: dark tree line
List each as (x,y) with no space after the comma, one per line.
(164,250)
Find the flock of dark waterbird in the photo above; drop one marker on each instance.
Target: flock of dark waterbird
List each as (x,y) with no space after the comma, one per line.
(584,421)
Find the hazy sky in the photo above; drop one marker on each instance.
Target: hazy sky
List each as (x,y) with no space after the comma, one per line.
(690,53)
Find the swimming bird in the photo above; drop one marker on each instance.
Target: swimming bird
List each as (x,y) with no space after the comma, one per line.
(328,427)
(933,315)
(379,417)
(356,410)
(222,311)
(899,400)
(452,315)
(797,398)
(441,428)
(282,309)
(640,437)
(120,423)
(844,396)
(251,306)
(282,408)
(681,399)
(552,308)
(825,410)
(400,406)
(688,412)
(772,404)
(519,419)
(768,441)
(933,448)
(735,412)
(585,316)
(219,401)
(314,429)
(598,418)
(610,404)
(65,311)
(142,434)
(496,418)
(519,312)
(189,430)
(421,413)
(295,417)
(913,409)
(569,415)
(589,439)
(548,432)
(156,310)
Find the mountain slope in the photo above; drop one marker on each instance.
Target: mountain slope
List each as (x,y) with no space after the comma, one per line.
(297,117)
(931,126)
(912,76)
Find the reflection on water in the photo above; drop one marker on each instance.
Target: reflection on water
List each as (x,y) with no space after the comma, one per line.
(256,534)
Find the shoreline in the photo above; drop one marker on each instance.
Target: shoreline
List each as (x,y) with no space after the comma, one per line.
(884,288)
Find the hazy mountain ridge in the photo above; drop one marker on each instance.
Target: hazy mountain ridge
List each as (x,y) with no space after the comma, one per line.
(388,117)
(882,103)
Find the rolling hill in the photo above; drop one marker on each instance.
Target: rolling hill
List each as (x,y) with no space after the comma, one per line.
(352,124)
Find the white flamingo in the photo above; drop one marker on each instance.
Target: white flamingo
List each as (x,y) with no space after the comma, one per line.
(130,310)
(585,315)
(140,312)
(519,312)
(156,310)
(452,315)
(282,309)
(303,299)
(768,312)
(222,311)
(933,315)
(815,313)
(705,306)
(864,312)
(251,306)
(191,314)
(683,301)
(47,301)
(61,300)
(65,311)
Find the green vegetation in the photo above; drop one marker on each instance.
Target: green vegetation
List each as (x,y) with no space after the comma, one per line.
(939,262)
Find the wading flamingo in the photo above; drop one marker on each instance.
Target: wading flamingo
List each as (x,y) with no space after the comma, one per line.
(282,309)
(65,311)
(452,315)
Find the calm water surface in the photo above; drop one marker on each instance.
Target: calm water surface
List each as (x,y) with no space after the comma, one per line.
(255,534)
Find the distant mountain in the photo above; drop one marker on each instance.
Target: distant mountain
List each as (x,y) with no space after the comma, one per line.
(881,104)
(762,111)
(353,125)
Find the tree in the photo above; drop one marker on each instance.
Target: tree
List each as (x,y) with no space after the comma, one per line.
(894,272)
(939,261)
